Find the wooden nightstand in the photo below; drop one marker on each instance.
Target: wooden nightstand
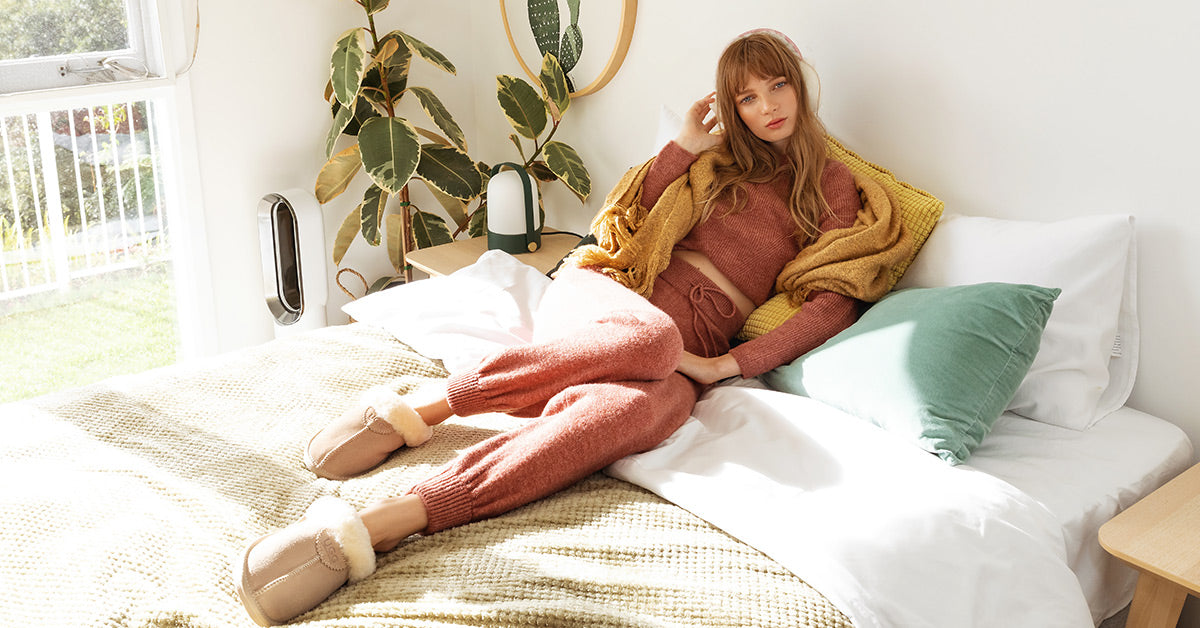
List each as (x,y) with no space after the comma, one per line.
(447,258)
(1160,537)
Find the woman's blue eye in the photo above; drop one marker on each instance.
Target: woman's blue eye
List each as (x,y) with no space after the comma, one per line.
(780,84)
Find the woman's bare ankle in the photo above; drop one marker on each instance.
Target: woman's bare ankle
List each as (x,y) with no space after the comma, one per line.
(430,403)
(389,521)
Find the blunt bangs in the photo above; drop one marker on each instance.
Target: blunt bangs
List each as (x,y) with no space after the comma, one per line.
(758,59)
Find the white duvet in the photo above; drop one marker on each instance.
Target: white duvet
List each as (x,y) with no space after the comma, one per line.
(890,534)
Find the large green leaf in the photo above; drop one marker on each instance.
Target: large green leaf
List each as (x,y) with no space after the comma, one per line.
(543,21)
(371,213)
(524,107)
(485,174)
(440,116)
(385,282)
(336,174)
(341,119)
(395,240)
(430,230)
(554,81)
(390,151)
(449,170)
(402,57)
(433,136)
(349,62)
(346,235)
(456,209)
(363,111)
(426,52)
(542,172)
(566,163)
(478,225)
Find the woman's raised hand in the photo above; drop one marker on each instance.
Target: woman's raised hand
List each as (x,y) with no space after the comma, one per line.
(696,133)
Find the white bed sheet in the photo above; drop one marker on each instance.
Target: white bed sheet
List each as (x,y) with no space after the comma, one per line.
(1084,478)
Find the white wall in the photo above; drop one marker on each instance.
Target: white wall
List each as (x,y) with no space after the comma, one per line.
(256,85)
(1024,109)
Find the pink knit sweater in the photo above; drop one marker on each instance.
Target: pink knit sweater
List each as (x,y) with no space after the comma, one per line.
(752,246)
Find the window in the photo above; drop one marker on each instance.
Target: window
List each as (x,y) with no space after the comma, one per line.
(46,44)
(88,187)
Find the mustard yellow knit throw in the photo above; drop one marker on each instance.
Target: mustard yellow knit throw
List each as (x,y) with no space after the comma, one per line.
(634,243)
(856,261)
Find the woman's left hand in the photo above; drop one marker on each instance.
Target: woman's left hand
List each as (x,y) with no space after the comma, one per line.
(708,370)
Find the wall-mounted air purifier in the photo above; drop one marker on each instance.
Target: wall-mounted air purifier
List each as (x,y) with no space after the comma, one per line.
(292,241)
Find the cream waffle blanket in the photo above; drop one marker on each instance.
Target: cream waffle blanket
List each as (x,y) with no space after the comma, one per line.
(124,503)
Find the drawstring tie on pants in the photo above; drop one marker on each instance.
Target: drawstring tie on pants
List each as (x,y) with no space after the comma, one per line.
(724,307)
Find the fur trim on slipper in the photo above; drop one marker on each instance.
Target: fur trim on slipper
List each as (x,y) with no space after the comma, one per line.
(348,530)
(393,408)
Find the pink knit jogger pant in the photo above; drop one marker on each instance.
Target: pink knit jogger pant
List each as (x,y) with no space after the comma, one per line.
(599,380)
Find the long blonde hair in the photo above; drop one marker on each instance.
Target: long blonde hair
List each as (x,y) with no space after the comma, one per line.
(765,55)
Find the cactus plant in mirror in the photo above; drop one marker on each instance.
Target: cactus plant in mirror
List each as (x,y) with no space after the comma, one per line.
(544,23)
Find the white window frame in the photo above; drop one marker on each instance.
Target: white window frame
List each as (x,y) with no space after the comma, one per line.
(142,59)
(190,256)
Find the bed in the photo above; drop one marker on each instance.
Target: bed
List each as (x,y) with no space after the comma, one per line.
(126,502)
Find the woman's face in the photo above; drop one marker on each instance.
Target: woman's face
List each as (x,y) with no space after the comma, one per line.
(769,109)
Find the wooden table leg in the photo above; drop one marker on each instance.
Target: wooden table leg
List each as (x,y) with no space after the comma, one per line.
(1157,602)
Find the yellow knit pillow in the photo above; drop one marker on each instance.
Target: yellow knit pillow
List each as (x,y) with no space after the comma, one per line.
(767,316)
(919,210)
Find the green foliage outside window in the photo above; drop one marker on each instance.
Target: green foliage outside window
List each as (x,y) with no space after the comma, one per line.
(41,28)
(83,197)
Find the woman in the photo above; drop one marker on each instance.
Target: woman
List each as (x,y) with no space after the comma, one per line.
(625,339)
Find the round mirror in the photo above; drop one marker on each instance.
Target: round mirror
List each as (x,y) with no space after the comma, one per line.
(607,26)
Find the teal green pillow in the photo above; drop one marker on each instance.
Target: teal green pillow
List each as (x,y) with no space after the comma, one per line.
(934,366)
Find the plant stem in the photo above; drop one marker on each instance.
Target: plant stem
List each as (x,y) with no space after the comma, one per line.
(371,28)
(466,224)
(383,73)
(405,234)
(537,148)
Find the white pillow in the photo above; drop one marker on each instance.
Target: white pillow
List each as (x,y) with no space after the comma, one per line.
(1087,361)
(462,317)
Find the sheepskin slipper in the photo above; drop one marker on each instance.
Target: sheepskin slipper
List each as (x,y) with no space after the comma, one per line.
(290,571)
(365,435)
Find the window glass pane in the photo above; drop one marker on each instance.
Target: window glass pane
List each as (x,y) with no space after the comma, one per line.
(86,282)
(42,28)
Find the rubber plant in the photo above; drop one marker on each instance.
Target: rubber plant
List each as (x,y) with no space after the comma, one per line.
(535,114)
(369,75)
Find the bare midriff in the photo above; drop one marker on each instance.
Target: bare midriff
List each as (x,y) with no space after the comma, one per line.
(708,269)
